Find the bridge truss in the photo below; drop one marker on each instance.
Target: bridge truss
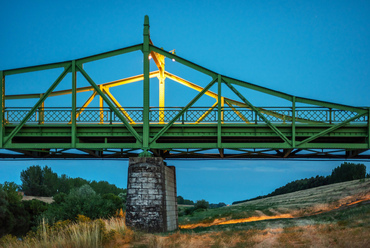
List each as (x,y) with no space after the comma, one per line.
(229,128)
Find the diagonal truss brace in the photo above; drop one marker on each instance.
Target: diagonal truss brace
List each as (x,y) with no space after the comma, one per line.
(333,128)
(206,113)
(118,105)
(238,113)
(112,107)
(88,101)
(37,105)
(169,124)
(277,131)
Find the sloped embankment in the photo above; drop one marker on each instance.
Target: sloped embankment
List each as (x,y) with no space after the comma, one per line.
(298,205)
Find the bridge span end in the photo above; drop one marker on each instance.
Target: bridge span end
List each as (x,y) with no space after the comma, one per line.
(151,195)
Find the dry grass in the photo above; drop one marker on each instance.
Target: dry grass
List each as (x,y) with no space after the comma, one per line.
(298,204)
(113,233)
(327,235)
(64,234)
(312,197)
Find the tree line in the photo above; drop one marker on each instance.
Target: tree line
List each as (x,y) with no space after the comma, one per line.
(37,181)
(344,172)
(72,197)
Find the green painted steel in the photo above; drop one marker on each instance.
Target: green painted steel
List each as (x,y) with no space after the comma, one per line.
(2,102)
(74,106)
(293,121)
(169,124)
(146,97)
(276,130)
(37,105)
(219,114)
(110,104)
(237,130)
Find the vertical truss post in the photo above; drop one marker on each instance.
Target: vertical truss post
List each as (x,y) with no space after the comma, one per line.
(73,115)
(161,88)
(41,111)
(293,122)
(222,109)
(146,87)
(2,101)
(101,106)
(219,114)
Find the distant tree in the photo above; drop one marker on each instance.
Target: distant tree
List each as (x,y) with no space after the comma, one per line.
(50,181)
(188,202)
(7,220)
(77,182)
(347,172)
(11,190)
(15,219)
(60,197)
(64,185)
(37,181)
(123,196)
(34,209)
(201,204)
(83,201)
(219,205)
(116,200)
(33,181)
(103,187)
(180,199)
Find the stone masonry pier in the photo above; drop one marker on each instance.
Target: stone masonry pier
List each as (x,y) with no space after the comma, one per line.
(151,195)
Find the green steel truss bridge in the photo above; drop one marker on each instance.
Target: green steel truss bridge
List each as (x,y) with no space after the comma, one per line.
(229,128)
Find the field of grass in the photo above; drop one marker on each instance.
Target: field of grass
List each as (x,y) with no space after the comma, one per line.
(330,216)
(297,204)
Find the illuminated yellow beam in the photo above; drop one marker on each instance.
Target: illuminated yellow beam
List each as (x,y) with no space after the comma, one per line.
(41,112)
(159,60)
(222,109)
(129,80)
(111,97)
(85,89)
(88,101)
(206,113)
(215,95)
(161,79)
(189,84)
(101,106)
(238,112)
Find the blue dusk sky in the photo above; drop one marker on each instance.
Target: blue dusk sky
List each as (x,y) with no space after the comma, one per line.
(312,49)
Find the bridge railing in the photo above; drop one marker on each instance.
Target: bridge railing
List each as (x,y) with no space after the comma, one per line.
(194,115)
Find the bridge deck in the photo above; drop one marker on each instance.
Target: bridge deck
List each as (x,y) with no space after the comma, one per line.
(242,132)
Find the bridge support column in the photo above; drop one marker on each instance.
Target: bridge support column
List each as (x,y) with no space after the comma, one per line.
(151,195)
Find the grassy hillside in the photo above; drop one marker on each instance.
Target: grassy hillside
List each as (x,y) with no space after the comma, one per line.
(293,205)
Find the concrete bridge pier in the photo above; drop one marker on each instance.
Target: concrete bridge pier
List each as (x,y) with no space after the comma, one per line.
(151,195)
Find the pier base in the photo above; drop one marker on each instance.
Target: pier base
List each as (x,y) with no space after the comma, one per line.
(151,195)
